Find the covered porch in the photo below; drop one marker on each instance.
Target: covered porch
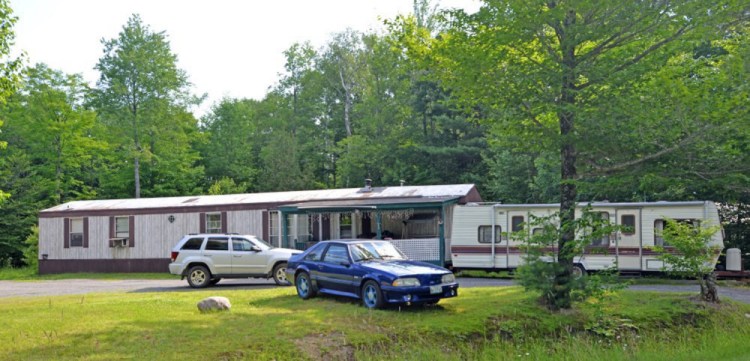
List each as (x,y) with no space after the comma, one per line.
(416,226)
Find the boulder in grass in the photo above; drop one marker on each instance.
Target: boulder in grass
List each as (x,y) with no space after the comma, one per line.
(214,303)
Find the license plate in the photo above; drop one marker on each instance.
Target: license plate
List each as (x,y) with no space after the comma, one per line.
(436,289)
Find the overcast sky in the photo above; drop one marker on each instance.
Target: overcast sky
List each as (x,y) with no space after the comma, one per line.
(228,47)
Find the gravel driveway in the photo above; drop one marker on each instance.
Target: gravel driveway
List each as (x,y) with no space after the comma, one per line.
(82,286)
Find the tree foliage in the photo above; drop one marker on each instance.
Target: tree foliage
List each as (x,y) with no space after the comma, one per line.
(540,238)
(694,256)
(569,77)
(141,98)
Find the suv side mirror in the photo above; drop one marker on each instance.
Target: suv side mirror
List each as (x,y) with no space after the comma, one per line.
(255,248)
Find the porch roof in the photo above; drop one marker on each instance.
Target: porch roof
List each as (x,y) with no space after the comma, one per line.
(368,204)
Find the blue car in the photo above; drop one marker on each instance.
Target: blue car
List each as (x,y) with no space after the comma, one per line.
(374,271)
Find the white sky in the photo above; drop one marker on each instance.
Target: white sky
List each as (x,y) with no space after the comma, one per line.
(227,47)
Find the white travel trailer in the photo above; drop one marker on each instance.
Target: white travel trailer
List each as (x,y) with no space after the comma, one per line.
(479,237)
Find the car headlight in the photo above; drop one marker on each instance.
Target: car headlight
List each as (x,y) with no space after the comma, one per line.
(406,282)
(448,278)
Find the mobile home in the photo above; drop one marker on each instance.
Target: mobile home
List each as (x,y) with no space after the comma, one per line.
(136,235)
(480,233)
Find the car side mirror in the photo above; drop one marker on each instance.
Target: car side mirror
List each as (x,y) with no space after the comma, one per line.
(345,263)
(255,249)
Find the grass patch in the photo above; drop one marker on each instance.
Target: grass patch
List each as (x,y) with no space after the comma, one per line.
(485,274)
(267,324)
(30,274)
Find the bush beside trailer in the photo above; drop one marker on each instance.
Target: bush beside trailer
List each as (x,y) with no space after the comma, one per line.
(480,239)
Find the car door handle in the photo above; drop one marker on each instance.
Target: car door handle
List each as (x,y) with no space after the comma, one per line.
(207,255)
(237,256)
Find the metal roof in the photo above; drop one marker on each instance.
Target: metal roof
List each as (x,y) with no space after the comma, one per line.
(426,192)
(598,204)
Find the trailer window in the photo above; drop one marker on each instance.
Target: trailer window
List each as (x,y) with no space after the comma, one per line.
(122,227)
(76,232)
(485,234)
(213,223)
(516,223)
(627,221)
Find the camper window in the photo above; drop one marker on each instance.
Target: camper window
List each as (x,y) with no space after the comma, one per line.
(604,240)
(485,234)
(516,223)
(660,225)
(627,221)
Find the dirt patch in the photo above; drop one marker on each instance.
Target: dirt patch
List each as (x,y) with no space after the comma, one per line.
(320,347)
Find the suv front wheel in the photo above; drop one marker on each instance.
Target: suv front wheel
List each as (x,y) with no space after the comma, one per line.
(199,277)
(279,274)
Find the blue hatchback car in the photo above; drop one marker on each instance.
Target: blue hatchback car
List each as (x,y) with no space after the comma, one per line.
(371,270)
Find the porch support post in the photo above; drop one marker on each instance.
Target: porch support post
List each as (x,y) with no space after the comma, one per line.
(379,225)
(441,235)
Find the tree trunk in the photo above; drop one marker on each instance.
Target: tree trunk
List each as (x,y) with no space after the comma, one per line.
(709,291)
(568,171)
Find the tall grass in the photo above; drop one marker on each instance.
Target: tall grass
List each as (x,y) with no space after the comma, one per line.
(274,324)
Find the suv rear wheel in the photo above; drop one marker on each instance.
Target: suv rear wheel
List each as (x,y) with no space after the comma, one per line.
(199,277)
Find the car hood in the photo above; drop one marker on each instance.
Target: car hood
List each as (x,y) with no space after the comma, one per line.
(402,268)
(285,251)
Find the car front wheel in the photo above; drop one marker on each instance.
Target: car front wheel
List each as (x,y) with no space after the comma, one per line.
(279,274)
(371,295)
(199,277)
(305,288)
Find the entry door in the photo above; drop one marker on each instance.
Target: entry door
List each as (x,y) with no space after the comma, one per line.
(629,241)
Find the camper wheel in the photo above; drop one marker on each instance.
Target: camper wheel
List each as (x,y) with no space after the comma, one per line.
(578,271)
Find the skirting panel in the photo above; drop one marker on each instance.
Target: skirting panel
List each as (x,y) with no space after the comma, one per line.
(51,266)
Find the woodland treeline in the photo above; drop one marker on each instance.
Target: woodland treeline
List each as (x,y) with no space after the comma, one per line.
(660,100)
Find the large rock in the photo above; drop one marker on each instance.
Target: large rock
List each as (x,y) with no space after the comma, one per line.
(214,303)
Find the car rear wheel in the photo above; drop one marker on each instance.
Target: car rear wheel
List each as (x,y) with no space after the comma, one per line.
(305,288)
(199,277)
(279,274)
(372,297)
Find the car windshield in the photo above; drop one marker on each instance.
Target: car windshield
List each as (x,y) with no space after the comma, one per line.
(261,243)
(374,250)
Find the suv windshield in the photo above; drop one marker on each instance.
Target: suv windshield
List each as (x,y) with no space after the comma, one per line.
(375,250)
(261,243)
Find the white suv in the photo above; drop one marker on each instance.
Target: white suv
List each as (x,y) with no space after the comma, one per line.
(207,258)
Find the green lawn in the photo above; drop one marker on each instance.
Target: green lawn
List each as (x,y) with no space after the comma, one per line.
(30,274)
(273,324)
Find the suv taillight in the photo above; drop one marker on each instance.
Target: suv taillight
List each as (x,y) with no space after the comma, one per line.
(174,255)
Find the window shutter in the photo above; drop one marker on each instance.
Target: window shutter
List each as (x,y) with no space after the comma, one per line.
(85,232)
(131,231)
(265,225)
(66,232)
(223,222)
(202,227)
(111,231)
